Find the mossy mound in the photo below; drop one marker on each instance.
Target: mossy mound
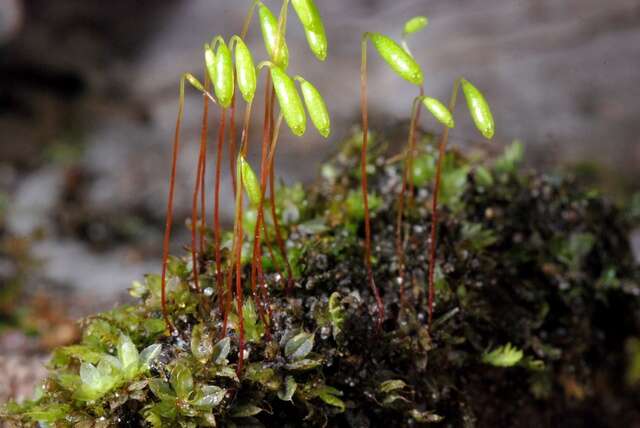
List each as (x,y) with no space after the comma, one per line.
(537,317)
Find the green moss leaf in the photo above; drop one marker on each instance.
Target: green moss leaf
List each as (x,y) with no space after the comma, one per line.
(391,385)
(425,416)
(90,376)
(511,158)
(162,390)
(221,351)
(128,354)
(299,346)
(290,387)
(503,356)
(304,364)
(182,381)
(245,410)
(330,396)
(265,376)
(477,237)
(201,343)
(336,313)
(149,354)
(212,396)
(49,413)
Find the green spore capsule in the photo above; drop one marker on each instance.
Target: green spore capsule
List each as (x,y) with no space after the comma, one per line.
(316,107)
(194,82)
(313,27)
(245,70)
(223,79)
(249,180)
(290,102)
(439,111)
(479,109)
(209,61)
(269,26)
(397,58)
(308,14)
(317,43)
(415,24)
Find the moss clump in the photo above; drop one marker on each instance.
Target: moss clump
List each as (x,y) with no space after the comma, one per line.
(536,320)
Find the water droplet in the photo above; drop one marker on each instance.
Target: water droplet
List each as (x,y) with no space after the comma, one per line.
(325,332)
(208,291)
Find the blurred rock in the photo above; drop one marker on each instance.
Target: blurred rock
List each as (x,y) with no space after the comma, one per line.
(10,19)
(99,274)
(34,201)
(19,376)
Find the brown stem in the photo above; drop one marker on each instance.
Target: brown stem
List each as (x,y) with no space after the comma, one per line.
(434,203)
(256,262)
(363,170)
(412,147)
(203,211)
(263,287)
(216,207)
(238,273)
(169,218)
(196,190)
(407,172)
(232,142)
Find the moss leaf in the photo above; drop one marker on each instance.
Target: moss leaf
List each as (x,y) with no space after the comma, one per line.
(391,385)
(245,410)
(182,381)
(290,387)
(221,350)
(212,396)
(503,356)
(299,346)
(149,354)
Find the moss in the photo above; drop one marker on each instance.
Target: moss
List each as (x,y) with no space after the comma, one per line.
(536,317)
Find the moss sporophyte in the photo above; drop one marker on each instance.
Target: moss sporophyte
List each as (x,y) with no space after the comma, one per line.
(229,335)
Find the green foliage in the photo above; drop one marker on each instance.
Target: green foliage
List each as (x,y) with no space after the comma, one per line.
(572,250)
(253,327)
(510,159)
(111,372)
(503,356)
(355,208)
(477,237)
(182,400)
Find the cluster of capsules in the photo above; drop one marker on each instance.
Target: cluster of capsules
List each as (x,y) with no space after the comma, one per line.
(228,66)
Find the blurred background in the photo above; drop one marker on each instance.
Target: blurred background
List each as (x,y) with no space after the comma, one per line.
(88,98)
